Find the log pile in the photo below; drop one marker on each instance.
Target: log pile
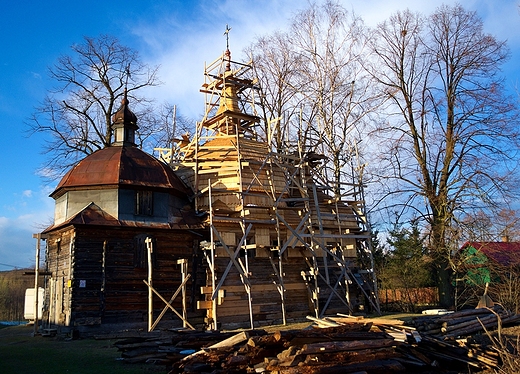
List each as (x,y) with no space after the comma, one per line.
(342,349)
(340,344)
(464,322)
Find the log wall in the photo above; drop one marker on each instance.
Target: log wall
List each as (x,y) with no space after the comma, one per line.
(105,284)
(233,302)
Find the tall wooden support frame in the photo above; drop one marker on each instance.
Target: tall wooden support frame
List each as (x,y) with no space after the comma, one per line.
(211,261)
(149,251)
(184,277)
(39,237)
(168,305)
(238,177)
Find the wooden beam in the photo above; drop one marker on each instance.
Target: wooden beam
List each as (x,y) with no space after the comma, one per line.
(171,301)
(231,262)
(168,304)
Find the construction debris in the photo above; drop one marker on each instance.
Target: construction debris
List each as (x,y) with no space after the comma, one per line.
(339,344)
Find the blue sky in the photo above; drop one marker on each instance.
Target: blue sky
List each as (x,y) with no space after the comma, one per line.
(180,36)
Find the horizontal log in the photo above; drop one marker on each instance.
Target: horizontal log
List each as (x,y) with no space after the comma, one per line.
(350,357)
(375,321)
(467,312)
(373,367)
(456,321)
(476,321)
(231,341)
(344,346)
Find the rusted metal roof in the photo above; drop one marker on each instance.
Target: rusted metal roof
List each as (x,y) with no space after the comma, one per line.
(93,215)
(118,166)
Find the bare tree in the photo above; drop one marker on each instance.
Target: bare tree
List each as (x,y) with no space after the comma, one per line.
(12,294)
(506,286)
(449,142)
(316,81)
(76,114)
(168,125)
(330,42)
(476,227)
(276,63)
(502,225)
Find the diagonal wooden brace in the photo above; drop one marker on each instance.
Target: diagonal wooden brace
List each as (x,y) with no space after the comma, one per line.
(168,304)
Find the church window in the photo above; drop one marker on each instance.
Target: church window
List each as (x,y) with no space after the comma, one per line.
(144,203)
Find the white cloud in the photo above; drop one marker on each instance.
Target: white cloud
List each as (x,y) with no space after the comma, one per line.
(31,212)
(17,245)
(182,47)
(182,44)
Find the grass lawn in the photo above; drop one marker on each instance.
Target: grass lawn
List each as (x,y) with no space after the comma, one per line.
(20,352)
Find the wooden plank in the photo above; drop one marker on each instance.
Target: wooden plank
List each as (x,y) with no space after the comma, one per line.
(215,164)
(262,236)
(219,171)
(255,288)
(204,304)
(231,341)
(229,238)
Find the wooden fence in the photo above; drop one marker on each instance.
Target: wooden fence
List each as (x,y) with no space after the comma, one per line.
(415,296)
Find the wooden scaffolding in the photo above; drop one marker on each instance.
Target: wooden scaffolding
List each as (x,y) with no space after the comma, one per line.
(280,245)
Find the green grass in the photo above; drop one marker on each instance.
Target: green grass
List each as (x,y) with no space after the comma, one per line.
(20,352)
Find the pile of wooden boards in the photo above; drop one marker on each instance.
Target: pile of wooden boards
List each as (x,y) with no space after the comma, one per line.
(340,344)
(343,349)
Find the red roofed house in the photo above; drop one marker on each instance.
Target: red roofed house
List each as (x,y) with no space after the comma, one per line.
(481,257)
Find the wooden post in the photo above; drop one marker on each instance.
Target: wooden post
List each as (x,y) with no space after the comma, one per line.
(149,250)
(281,286)
(184,270)
(70,281)
(38,237)
(168,304)
(212,239)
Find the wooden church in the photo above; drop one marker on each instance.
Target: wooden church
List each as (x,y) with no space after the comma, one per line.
(113,209)
(222,231)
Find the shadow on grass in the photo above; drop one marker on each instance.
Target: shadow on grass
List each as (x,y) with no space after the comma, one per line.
(20,352)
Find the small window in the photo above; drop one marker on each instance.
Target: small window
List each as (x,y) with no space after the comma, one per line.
(144,203)
(129,135)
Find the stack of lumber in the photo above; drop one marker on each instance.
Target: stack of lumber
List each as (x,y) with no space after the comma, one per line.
(420,350)
(464,322)
(461,354)
(342,349)
(162,347)
(339,344)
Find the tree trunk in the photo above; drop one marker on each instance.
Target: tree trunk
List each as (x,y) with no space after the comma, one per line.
(446,299)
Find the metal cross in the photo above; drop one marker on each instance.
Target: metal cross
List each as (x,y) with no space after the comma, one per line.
(226,33)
